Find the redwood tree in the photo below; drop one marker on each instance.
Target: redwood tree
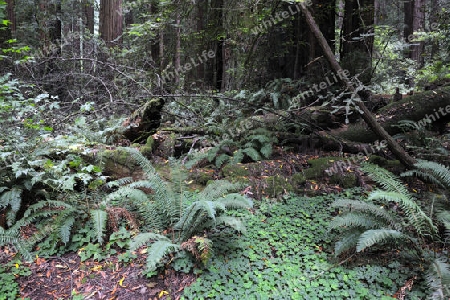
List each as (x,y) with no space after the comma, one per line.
(357,38)
(111,20)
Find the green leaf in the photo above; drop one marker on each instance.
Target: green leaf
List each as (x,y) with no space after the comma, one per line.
(99,218)
(377,236)
(143,238)
(157,251)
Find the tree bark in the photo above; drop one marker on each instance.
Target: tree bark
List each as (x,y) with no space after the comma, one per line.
(11,16)
(434,19)
(357,38)
(89,16)
(417,47)
(396,149)
(111,21)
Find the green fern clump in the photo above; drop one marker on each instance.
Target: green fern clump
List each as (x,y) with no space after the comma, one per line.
(432,172)
(378,220)
(257,145)
(438,278)
(392,215)
(171,214)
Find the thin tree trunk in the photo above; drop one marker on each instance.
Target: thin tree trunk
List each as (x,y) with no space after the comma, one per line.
(200,19)
(357,39)
(178,48)
(11,16)
(434,19)
(161,49)
(396,149)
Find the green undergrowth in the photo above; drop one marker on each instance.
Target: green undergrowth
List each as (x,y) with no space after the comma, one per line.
(285,254)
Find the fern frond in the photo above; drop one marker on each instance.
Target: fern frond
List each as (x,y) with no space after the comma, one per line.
(13,238)
(415,215)
(358,220)
(212,153)
(348,241)
(6,237)
(137,201)
(125,194)
(65,229)
(161,188)
(99,218)
(119,182)
(46,204)
(141,184)
(194,219)
(43,215)
(252,153)
(238,156)
(217,189)
(143,238)
(157,251)
(261,138)
(195,158)
(232,222)
(368,208)
(266,150)
(191,214)
(178,175)
(431,171)
(210,208)
(444,218)
(12,198)
(386,179)
(221,159)
(235,200)
(438,278)
(377,236)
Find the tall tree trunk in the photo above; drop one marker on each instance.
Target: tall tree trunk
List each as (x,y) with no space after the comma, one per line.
(111,21)
(396,149)
(10,7)
(339,26)
(417,47)
(434,19)
(201,6)
(89,16)
(408,8)
(357,38)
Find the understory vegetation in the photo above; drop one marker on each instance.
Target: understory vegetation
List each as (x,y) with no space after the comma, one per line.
(190,154)
(63,194)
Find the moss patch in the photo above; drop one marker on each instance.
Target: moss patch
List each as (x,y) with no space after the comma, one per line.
(236,170)
(118,164)
(202,176)
(395,166)
(147,149)
(318,167)
(346,181)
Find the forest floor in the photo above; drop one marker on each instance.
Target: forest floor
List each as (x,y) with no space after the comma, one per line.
(66,276)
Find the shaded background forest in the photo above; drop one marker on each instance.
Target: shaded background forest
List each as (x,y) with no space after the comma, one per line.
(125,51)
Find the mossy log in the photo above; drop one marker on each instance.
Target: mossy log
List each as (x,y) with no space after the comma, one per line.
(426,109)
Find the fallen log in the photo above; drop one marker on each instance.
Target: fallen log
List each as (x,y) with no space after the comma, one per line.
(427,110)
